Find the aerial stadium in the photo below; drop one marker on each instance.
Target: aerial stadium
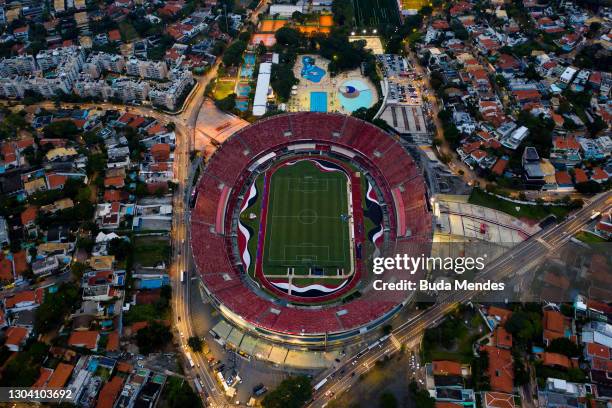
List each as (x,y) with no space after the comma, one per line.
(288,215)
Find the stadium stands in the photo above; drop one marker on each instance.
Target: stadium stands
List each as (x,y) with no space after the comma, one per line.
(225,175)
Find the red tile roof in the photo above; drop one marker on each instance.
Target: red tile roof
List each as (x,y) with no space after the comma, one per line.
(566,143)
(114,35)
(25,296)
(498,400)
(563,177)
(556,359)
(160,151)
(445,367)
(113,341)
(117,182)
(156,129)
(45,374)
(6,270)
(499,167)
(580,176)
(20,262)
(110,392)
(599,174)
(501,372)
(87,339)
(597,350)
(502,338)
(16,336)
(28,215)
(525,94)
(113,195)
(553,321)
(60,375)
(56,181)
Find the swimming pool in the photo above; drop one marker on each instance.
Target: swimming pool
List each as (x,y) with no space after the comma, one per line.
(355,94)
(243,89)
(318,101)
(248,67)
(310,71)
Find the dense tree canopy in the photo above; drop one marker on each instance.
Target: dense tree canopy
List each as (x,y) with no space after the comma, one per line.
(233,53)
(292,392)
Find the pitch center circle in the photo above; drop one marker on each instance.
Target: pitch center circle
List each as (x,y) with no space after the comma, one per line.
(308,216)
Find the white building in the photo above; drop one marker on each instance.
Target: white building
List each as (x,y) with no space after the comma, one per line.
(286,10)
(12,88)
(567,75)
(516,138)
(261,91)
(146,68)
(21,65)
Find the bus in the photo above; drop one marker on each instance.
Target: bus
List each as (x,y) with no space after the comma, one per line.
(182,276)
(320,384)
(198,385)
(191,364)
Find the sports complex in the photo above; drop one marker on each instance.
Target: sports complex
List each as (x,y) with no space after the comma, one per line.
(290,212)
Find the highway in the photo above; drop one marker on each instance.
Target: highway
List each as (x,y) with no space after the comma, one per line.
(527,253)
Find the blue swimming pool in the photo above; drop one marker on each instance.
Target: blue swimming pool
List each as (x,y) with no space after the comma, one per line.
(318,101)
(310,71)
(355,94)
(248,66)
(243,89)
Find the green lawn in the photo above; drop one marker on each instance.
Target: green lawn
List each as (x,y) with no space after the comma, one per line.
(149,251)
(373,13)
(224,88)
(304,227)
(128,33)
(589,238)
(533,212)
(463,338)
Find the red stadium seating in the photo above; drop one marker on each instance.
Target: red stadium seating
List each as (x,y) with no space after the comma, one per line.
(386,162)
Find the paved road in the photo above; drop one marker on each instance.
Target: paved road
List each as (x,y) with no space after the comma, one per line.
(524,255)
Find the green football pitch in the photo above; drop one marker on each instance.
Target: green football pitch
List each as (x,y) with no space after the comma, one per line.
(307,228)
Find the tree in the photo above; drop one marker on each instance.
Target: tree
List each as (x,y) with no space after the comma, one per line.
(120,248)
(228,103)
(564,346)
(24,368)
(289,37)
(180,394)
(195,343)
(55,306)
(233,54)
(153,337)
(292,392)
(387,400)
(525,326)
(78,269)
(588,187)
(421,397)
(62,129)
(282,81)
(299,17)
